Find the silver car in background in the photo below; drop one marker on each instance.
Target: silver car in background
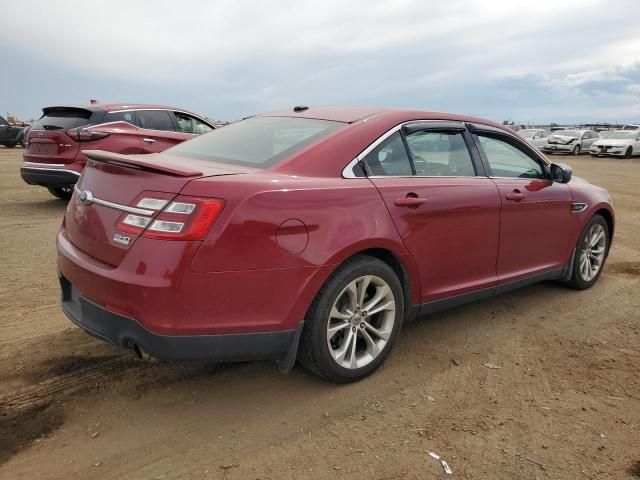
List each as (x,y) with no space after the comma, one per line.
(622,143)
(570,141)
(535,136)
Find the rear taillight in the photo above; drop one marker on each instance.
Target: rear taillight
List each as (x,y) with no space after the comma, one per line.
(184,218)
(81,134)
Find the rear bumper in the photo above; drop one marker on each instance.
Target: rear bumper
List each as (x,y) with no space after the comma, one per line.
(40,174)
(128,333)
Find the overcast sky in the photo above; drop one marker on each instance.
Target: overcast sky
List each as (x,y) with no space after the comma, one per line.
(542,60)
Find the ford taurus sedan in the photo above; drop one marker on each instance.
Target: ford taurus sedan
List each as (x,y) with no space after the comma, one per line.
(317,233)
(621,143)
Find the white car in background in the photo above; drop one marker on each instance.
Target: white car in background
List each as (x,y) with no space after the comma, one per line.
(570,141)
(621,143)
(535,136)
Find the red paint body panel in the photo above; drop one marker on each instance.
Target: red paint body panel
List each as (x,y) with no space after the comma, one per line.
(535,231)
(284,229)
(453,236)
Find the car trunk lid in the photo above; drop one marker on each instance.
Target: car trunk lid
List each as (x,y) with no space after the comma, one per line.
(48,141)
(112,185)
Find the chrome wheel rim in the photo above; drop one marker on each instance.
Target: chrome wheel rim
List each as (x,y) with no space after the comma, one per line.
(592,252)
(361,322)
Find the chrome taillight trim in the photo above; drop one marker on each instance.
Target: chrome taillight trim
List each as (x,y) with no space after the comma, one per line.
(87,198)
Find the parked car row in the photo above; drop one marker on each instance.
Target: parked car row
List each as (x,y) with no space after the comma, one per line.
(624,143)
(54,156)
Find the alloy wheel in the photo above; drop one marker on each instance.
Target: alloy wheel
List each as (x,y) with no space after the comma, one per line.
(592,252)
(361,322)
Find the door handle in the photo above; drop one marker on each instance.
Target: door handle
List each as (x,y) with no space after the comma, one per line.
(516,196)
(411,202)
(148,140)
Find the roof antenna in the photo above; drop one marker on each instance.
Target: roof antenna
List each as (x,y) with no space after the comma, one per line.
(300,108)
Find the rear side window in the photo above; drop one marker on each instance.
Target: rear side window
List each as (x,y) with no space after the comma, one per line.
(256,142)
(440,153)
(65,119)
(388,159)
(155,120)
(128,117)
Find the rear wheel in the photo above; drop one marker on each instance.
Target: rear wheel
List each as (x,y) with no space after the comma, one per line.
(63,193)
(576,150)
(628,152)
(353,322)
(591,252)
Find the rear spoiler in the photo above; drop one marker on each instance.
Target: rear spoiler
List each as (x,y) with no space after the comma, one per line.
(149,162)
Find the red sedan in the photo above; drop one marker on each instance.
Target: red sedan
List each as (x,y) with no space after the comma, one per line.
(316,233)
(53,156)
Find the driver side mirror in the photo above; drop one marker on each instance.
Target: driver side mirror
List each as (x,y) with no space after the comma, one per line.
(560,172)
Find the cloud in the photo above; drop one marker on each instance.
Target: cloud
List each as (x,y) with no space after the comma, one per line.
(231,59)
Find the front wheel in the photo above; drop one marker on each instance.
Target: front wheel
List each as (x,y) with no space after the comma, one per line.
(63,193)
(591,252)
(576,150)
(628,152)
(353,322)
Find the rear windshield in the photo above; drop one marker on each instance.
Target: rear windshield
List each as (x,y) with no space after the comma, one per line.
(256,142)
(63,119)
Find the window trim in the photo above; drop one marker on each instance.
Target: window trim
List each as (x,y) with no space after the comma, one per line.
(431,124)
(514,142)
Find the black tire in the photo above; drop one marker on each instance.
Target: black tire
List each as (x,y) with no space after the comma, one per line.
(10,145)
(628,152)
(63,193)
(577,281)
(313,352)
(21,142)
(576,150)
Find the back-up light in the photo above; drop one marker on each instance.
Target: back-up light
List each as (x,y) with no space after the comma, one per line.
(185,218)
(81,134)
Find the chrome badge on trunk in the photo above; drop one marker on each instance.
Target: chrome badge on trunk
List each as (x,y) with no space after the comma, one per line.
(122,239)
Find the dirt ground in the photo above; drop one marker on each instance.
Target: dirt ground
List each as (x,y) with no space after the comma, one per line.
(565,403)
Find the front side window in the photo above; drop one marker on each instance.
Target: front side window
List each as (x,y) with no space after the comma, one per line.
(189,124)
(258,142)
(440,153)
(388,159)
(508,161)
(155,120)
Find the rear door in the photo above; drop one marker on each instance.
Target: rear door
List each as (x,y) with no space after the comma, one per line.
(536,213)
(445,209)
(48,138)
(158,130)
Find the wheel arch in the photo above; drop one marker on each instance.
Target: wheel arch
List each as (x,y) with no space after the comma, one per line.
(608,216)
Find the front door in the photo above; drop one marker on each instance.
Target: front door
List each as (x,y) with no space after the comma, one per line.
(445,212)
(536,212)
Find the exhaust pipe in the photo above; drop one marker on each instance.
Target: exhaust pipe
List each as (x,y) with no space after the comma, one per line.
(142,355)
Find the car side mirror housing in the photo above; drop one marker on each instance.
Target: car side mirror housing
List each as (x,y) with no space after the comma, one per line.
(560,172)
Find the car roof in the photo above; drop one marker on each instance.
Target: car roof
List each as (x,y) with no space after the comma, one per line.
(336,114)
(355,114)
(112,107)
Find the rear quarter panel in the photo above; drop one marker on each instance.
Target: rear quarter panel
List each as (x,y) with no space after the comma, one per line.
(332,218)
